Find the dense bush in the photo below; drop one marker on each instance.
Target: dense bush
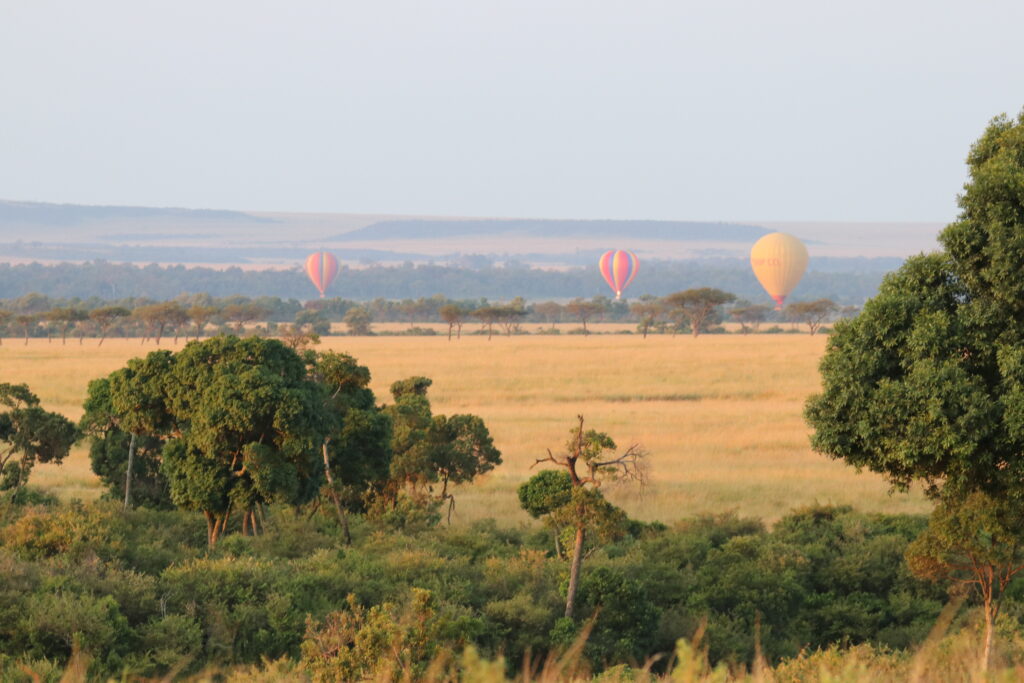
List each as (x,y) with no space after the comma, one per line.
(141,592)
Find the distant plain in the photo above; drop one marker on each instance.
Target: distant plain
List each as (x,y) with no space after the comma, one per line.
(721,415)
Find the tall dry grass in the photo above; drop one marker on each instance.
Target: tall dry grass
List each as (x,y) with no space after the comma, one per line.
(720,415)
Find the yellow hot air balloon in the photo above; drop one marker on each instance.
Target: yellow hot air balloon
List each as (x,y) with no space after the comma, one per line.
(779,261)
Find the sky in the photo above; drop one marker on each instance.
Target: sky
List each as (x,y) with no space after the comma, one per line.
(732,110)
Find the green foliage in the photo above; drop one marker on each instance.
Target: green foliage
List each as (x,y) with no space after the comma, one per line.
(625,616)
(545,492)
(358,320)
(926,383)
(429,449)
(145,592)
(29,434)
(109,443)
(386,642)
(699,307)
(973,542)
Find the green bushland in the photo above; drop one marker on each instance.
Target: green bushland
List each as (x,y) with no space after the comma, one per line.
(142,593)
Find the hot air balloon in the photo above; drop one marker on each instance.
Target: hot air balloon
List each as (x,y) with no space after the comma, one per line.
(779,261)
(619,268)
(321,268)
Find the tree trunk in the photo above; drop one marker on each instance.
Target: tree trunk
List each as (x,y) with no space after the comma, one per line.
(450,325)
(128,474)
(990,617)
(210,523)
(342,517)
(574,572)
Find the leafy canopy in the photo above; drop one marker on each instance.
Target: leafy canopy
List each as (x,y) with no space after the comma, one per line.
(927,383)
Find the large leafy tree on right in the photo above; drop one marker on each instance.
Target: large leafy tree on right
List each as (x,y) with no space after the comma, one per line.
(927,383)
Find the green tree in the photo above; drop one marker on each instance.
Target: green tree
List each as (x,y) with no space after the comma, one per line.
(64,318)
(584,310)
(252,425)
(201,315)
(357,451)
(358,320)
(698,305)
(750,317)
(313,320)
(27,322)
(549,311)
(455,316)
(647,312)
(29,434)
(106,317)
(4,317)
(126,416)
(927,383)
(973,542)
(242,313)
(589,459)
(812,313)
(435,449)
(489,316)
(511,315)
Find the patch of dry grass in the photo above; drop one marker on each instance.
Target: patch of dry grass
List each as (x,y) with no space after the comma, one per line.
(720,415)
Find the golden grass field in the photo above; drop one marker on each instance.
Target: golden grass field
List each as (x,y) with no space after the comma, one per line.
(721,415)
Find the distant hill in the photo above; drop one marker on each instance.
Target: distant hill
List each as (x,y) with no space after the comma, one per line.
(50,233)
(548,229)
(37,213)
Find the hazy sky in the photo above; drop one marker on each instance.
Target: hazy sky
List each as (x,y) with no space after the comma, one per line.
(708,109)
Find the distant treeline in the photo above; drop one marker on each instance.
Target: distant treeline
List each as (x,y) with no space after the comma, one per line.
(198,315)
(845,281)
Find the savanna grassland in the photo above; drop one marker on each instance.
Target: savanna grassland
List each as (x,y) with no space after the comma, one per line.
(721,415)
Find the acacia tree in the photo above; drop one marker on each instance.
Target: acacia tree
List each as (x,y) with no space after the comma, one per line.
(4,317)
(812,313)
(549,311)
(584,310)
(455,316)
(105,318)
(976,542)
(29,434)
(242,313)
(590,460)
(488,315)
(647,312)
(64,318)
(750,317)
(510,315)
(27,322)
(697,305)
(201,316)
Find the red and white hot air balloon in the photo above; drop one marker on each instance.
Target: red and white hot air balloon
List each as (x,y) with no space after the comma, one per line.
(321,268)
(618,269)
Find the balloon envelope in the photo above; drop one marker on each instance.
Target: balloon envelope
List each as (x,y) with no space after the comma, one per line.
(618,269)
(779,261)
(321,268)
